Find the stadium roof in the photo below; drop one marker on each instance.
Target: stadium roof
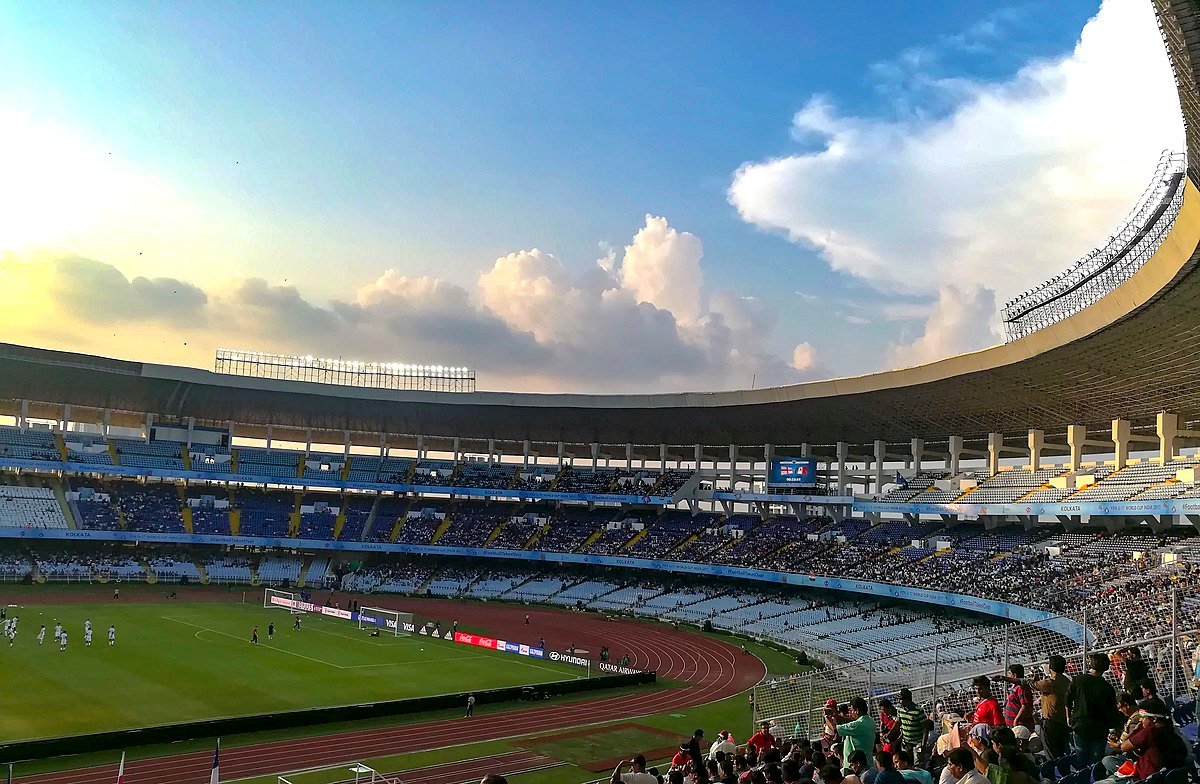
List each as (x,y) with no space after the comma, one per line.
(1131,354)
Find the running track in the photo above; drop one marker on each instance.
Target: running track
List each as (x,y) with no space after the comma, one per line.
(713,670)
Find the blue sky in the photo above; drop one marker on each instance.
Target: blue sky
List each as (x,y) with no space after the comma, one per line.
(316,146)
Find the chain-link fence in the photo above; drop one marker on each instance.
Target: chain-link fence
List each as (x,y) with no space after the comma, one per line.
(1163,624)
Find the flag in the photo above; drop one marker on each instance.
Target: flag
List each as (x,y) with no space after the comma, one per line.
(121,770)
(900,480)
(215,778)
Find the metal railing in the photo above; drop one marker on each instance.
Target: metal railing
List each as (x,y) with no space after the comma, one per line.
(940,675)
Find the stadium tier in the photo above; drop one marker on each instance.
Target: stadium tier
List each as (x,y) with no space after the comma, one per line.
(934,532)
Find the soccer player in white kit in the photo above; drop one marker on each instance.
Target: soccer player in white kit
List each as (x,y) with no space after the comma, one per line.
(62,642)
(112,635)
(58,632)
(87,637)
(42,634)
(87,626)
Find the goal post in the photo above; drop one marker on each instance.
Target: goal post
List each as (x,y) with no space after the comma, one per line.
(274,599)
(393,621)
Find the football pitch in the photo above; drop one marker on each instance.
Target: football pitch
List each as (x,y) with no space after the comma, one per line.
(178,661)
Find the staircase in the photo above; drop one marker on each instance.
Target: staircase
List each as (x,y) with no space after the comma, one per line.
(305,563)
(594,536)
(636,537)
(186,456)
(185,511)
(340,522)
(370,519)
(61,496)
(61,444)
(151,577)
(294,517)
(235,518)
(200,568)
(443,526)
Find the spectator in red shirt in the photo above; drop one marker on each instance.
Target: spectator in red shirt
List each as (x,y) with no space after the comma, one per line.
(763,739)
(1157,744)
(987,710)
(1018,708)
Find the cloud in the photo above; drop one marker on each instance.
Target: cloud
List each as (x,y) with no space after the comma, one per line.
(662,267)
(962,320)
(101,293)
(803,356)
(1019,178)
(528,324)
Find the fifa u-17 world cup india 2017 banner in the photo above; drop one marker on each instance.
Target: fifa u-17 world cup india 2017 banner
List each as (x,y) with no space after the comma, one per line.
(1168,506)
(133,472)
(1014,612)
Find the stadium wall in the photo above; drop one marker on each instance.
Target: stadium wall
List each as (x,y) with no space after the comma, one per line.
(173,733)
(977,604)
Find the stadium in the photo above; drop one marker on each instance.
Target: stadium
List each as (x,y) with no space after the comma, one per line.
(294,570)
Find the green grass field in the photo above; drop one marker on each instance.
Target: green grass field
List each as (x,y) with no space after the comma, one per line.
(184,661)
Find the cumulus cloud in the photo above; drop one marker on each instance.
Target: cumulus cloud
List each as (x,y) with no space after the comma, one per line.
(528,323)
(962,320)
(662,267)
(803,356)
(1016,179)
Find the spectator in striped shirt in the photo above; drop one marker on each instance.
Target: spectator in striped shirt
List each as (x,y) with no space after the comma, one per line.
(1018,708)
(912,722)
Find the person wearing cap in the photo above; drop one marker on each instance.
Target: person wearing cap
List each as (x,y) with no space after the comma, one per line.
(722,743)
(636,775)
(1155,742)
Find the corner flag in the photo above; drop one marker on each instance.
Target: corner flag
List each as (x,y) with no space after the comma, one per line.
(215,778)
(121,770)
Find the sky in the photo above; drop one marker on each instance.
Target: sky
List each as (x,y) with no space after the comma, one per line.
(616,197)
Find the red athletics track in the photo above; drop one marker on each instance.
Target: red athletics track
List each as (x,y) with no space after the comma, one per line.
(713,670)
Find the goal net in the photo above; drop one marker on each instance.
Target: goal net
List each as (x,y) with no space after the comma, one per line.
(387,621)
(354,773)
(282,600)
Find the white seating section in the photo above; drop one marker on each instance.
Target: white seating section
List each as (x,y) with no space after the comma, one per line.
(30,507)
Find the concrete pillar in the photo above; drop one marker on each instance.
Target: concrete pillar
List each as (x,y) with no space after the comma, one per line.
(880,456)
(1167,427)
(1076,438)
(629,456)
(382,445)
(1120,436)
(918,453)
(66,418)
(806,450)
(191,427)
(346,443)
(560,454)
(421,448)
(105,421)
(699,452)
(595,455)
(954,450)
(995,446)
(23,419)
(525,453)
(491,451)
(1037,440)
(843,454)
(149,425)
(307,440)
